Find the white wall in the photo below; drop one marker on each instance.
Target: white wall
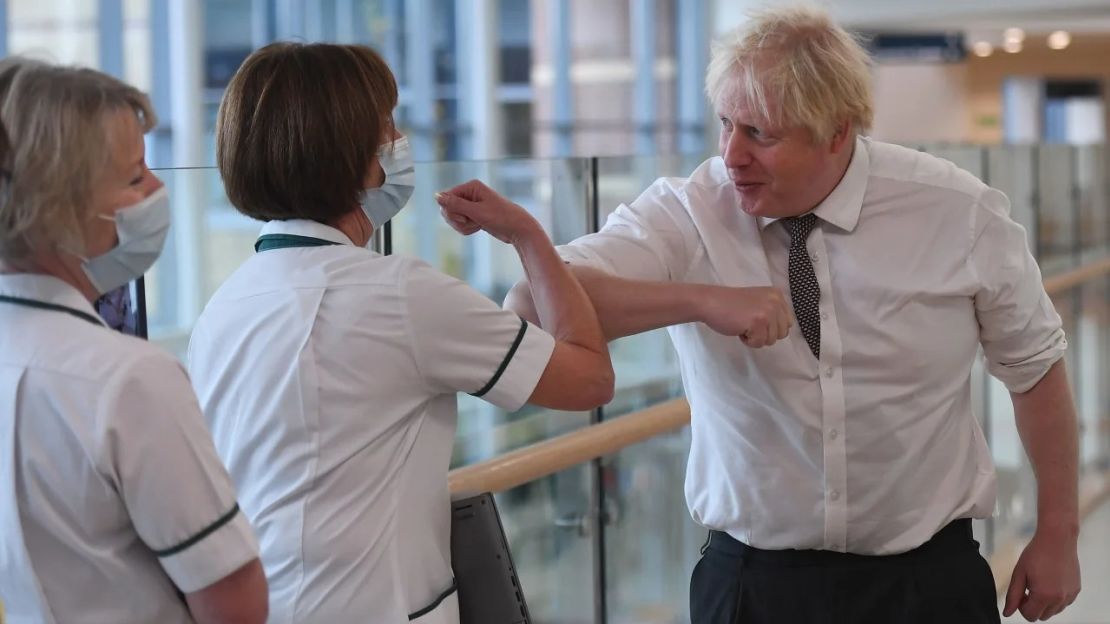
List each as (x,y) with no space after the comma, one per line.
(920,103)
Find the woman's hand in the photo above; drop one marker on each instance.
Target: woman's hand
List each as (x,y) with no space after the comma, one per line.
(473,206)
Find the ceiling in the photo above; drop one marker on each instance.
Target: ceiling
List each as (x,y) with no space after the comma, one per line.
(1035,16)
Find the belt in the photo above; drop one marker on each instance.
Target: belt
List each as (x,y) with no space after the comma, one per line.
(954,537)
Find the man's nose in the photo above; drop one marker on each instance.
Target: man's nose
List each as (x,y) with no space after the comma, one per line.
(737,152)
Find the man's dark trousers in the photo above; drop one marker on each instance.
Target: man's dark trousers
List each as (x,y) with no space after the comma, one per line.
(944,581)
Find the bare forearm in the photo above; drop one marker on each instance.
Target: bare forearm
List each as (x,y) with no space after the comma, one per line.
(561,306)
(625,307)
(1047,424)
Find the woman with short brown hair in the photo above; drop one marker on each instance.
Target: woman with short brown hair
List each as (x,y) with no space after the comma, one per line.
(329,373)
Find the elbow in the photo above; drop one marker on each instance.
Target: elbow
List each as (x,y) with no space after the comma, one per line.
(598,389)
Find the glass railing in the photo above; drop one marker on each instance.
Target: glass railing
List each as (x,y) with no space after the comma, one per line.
(611,540)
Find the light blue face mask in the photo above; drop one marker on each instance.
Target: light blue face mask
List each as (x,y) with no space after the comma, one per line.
(383,203)
(141,229)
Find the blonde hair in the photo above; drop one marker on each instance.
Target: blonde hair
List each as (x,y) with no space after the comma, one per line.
(58,121)
(816,73)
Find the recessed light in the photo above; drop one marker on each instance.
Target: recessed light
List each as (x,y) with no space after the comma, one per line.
(982,48)
(1011,46)
(1059,40)
(1014,34)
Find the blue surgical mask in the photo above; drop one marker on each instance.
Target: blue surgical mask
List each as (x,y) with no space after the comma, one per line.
(141,229)
(383,203)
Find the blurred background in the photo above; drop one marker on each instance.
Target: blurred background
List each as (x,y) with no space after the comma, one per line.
(570,107)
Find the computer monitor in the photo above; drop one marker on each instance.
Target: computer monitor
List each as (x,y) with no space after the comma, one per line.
(124,309)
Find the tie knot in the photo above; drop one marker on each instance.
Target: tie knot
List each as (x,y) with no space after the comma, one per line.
(800,227)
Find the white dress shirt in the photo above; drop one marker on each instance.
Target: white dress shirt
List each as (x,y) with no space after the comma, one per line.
(873,448)
(329,377)
(111,494)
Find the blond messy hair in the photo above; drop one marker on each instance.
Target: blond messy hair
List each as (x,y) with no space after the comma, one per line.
(58,121)
(817,74)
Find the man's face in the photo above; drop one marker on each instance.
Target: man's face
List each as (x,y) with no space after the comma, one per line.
(777,172)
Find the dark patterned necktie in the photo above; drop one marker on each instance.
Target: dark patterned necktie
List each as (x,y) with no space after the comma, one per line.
(804,292)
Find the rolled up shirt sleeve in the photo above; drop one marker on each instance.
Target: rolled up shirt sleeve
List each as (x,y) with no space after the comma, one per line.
(650,239)
(1020,331)
(159,453)
(464,342)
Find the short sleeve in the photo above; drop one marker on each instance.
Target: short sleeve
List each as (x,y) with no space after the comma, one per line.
(1021,333)
(160,455)
(650,239)
(463,342)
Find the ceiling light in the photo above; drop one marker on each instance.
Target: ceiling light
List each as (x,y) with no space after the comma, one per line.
(1011,46)
(1059,40)
(982,48)
(1014,34)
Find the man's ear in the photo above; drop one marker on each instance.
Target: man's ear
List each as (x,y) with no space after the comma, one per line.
(842,138)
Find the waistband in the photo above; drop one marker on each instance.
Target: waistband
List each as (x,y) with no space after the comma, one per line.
(955,537)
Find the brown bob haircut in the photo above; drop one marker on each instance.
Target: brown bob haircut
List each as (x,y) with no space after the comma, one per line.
(299,128)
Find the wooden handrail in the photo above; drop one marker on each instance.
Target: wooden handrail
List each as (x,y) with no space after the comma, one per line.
(582,445)
(1070,279)
(550,456)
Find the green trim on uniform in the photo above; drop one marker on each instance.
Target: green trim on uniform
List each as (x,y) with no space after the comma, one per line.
(505,362)
(209,530)
(435,603)
(267,242)
(53,307)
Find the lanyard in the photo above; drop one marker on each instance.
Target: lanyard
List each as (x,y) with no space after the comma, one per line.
(283,241)
(42,305)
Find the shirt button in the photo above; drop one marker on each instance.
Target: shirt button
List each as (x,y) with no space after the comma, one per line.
(834,434)
(813,258)
(824,316)
(829,372)
(834,495)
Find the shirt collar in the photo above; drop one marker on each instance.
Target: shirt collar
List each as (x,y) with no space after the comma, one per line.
(842,207)
(305,227)
(47,289)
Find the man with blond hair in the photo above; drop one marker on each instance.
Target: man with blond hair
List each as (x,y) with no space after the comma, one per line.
(836,459)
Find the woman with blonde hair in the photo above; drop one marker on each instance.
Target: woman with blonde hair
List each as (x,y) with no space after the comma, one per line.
(113,504)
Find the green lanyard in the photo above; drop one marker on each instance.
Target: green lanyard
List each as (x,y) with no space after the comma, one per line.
(283,241)
(42,305)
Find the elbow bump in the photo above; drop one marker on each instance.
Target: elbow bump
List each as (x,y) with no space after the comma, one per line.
(602,386)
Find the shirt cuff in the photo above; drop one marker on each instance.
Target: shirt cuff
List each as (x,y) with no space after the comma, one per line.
(521,370)
(210,555)
(1022,375)
(582,256)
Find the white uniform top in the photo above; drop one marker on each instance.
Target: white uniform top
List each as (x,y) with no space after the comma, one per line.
(873,448)
(329,377)
(112,497)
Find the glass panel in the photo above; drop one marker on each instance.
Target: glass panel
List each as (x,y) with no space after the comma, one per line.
(1010,169)
(651,544)
(1056,226)
(1092,345)
(649,529)
(1094,208)
(548,525)
(209,239)
(966,157)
